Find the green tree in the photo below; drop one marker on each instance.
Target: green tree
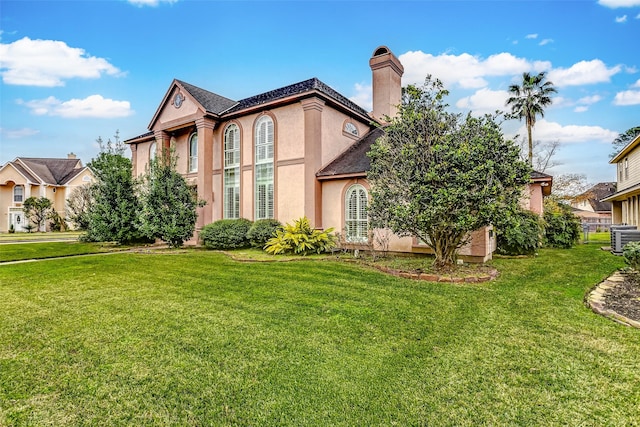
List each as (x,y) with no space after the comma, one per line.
(168,203)
(528,100)
(115,208)
(623,139)
(37,210)
(439,176)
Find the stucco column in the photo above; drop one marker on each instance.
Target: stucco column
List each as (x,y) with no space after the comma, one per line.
(205,170)
(312,159)
(134,159)
(163,142)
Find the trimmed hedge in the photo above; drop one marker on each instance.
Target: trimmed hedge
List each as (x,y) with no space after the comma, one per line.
(261,231)
(226,234)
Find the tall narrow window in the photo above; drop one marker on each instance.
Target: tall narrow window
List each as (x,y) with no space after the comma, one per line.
(356,220)
(626,168)
(264,168)
(18,194)
(152,151)
(232,172)
(193,153)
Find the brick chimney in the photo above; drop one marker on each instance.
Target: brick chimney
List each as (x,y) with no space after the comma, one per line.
(71,156)
(387,86)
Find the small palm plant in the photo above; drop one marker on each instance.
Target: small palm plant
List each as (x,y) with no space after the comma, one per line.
(299,238)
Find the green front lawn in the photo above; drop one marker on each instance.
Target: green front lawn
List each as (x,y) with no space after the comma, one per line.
(196,338)
(42,250)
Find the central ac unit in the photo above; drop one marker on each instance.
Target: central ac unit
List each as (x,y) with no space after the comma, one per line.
(621,235)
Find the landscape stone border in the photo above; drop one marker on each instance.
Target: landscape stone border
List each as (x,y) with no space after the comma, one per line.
(596,299)
(432,277)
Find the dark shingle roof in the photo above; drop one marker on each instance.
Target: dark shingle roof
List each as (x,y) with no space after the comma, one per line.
(297,89)
(52,171)
(24,172)
(354,160)
(601,191)
(538,175)
(212,102)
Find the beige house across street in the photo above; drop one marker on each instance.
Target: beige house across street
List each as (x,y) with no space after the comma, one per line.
(295,151)
(37,177)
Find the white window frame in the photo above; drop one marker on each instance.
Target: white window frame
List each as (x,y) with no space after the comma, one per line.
(356,219)
(153,150)
(626,168)
(193,152)
(231,176)
(263,168)
(16,195)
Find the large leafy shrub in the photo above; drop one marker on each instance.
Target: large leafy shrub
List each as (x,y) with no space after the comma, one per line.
(261,231)
(561,227)
(299,238)
(520,235)
(226,234)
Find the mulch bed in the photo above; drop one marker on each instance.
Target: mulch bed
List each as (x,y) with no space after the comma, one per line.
(624,298)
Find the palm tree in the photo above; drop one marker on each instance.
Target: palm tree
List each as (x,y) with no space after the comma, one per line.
(529,100)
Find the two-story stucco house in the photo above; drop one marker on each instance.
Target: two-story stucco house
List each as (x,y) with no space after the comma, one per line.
(625,202)
(295,151)
(38,177)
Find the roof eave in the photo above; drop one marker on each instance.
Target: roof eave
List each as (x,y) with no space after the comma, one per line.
(626,150)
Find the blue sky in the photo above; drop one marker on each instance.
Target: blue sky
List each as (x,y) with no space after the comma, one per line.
(72,71)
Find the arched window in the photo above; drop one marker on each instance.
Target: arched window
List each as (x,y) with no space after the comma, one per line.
(356,220)
(351,129)
(18,194)
(152,151)
(264,168)
(193,153)
(232,172)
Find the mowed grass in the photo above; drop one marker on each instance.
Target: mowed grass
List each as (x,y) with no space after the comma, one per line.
(41,250)
(195,338)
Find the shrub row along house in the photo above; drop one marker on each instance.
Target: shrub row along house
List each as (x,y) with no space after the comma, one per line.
(291,152)
(38,177)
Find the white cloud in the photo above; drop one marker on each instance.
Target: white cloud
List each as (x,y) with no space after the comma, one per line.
(484,101)
(581,109)
(588,100)
(18,133)
(545,42)
(363,96)
(627,97)
(614,4)
(92,106)
(464,70)
(570,134)
(636,84)
(152,3)
(583,73)
(48,63)
(621,19)
(531,36)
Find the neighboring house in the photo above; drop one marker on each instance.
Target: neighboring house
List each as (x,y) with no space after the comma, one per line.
(295,151)
(589,206)
(538,189)
(34,177)
(625,202)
